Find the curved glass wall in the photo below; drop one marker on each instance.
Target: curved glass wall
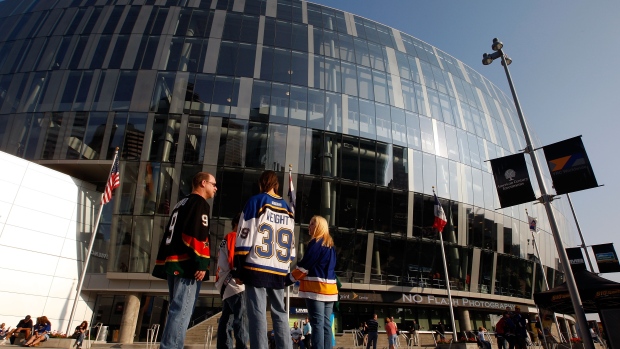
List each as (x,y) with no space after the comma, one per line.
(369,118)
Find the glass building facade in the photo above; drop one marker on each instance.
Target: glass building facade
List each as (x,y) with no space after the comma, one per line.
(368,118)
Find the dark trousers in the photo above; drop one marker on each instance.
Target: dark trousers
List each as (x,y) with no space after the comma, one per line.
(501,342)
(372,338)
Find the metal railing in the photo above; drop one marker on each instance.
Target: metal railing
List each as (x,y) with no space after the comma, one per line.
(151,336)
(208,336)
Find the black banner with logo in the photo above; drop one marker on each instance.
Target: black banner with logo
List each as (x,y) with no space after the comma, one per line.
(569,166)
(575,257)
(512,180)
(606,258)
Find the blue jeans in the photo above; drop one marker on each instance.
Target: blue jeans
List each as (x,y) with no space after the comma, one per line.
(373,337)
(183,295)
(320,314)
(233,318)
(256,303)
(79,340)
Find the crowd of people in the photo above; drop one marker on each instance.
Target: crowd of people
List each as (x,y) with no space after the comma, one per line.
(37,332)
(253,267)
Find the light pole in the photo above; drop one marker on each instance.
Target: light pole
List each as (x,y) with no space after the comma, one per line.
(545,199)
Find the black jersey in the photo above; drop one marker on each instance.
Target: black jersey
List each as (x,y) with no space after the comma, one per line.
(184,248)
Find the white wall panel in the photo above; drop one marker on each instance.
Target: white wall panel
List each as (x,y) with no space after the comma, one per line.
(37,221)
(46,203)
(27,283)
(29,240)
(8,190)
(42,215)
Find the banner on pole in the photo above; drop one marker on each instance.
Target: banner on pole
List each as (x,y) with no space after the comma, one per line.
(569,166)
(575,257)
(606,258)
(512,180)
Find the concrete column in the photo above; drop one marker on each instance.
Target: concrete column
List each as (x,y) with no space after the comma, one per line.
(464,321)
(130,318)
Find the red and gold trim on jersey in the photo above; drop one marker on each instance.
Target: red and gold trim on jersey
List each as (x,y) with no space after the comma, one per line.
(200,248)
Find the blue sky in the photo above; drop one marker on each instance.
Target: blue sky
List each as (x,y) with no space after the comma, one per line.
(564,70)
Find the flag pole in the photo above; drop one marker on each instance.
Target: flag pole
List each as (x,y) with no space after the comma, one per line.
(90,250)
(445,270)
(533,229)
(288,288)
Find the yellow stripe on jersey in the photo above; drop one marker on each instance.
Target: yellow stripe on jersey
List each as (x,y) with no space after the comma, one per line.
(265,271)
(318,287)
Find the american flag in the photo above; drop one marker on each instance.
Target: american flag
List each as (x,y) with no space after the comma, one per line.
(114,181)
(291,191)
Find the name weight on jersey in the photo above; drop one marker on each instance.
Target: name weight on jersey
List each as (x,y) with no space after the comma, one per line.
(283,240)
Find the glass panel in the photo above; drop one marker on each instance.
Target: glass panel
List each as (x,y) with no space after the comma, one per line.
(414,139)
(385,165)
(227,58)
(399,128)
(284,34)
(261,100)
(71,87)
(140,248)
(193,151)
(33,136)
(245,61)
(51,139)
(124,90)
(276,148)
(349,159)
(428,137)
(347,51)
(256,151)
(282,65)
(162,96)
(165,138)
(298,106)
(333,77)
(232,142)
(123,244)
(203,94)
(333,112)
(384,123)
(367,160)
(376,57)
(351,121)
(278,111)
(365,85)
(157,188)
(118,52)
(367,119)
(75,138)
(225,95)
(93,137)
(316,109)
(380,87)
(100,52)
(249,29)
(300,37)
(299,69)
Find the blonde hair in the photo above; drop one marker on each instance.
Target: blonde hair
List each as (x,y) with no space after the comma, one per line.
(321,231)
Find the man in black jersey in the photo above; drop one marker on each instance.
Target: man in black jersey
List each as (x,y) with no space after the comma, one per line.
(183,257)
(372,326)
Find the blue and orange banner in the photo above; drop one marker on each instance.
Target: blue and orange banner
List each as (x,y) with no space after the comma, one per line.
(569,166)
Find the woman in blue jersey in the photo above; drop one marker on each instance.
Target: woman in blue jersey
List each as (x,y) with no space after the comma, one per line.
(41,332)
(317,282)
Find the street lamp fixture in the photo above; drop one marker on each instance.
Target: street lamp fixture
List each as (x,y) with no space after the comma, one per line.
(545,198)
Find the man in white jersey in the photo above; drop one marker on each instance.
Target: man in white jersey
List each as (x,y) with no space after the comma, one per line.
(233,296)
(264,249)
